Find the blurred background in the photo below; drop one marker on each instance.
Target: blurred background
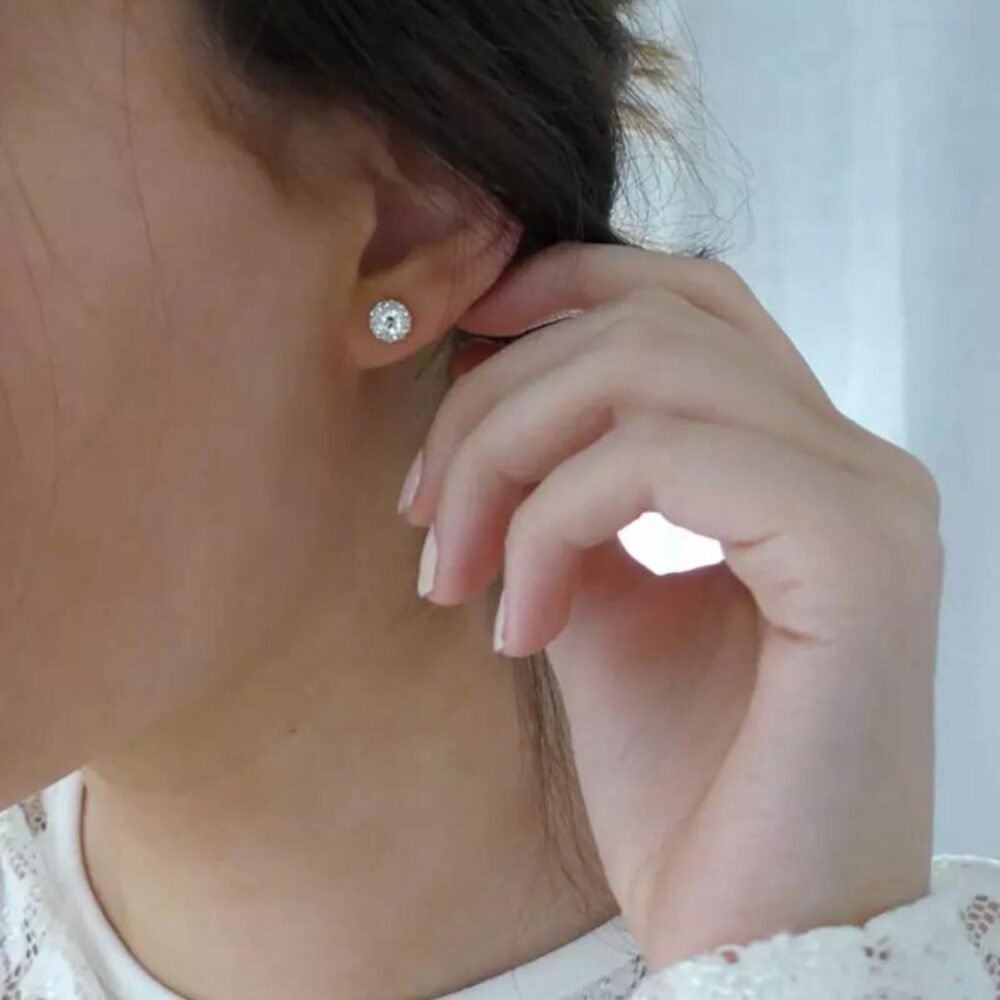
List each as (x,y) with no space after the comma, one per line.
(845,158)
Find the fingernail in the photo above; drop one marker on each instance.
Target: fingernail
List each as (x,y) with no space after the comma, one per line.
(498,637)
(428,565)
(411,484)
(553,318)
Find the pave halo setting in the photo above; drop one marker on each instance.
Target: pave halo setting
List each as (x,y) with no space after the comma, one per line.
(390,321)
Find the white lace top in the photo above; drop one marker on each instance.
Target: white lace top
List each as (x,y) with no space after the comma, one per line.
(55,943)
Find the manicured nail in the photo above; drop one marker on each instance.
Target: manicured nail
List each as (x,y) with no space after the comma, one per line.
(498,637)
(411,484)
(428,564)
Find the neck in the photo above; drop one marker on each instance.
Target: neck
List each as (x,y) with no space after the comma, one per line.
(364,791)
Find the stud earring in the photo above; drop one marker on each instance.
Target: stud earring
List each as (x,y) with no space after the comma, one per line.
(390,321)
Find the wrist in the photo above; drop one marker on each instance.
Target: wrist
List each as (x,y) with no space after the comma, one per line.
(715,919)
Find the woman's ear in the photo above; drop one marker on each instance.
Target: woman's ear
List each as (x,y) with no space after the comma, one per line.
(436,244)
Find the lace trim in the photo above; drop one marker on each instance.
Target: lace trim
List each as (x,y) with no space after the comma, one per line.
(942,947)
(37,962)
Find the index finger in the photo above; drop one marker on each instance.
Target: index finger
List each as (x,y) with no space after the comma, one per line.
(576,276)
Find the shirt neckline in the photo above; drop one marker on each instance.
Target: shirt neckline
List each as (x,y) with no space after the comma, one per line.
(569,969)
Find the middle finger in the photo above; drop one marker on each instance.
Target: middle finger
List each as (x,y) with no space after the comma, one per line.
(543,422)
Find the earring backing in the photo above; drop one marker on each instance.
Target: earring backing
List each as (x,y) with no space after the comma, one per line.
(390,321)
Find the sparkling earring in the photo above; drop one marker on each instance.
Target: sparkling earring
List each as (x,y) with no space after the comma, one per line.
(390,321)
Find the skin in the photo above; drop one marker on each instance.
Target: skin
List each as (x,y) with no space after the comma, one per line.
(208,597)
(209,601)
(782,697)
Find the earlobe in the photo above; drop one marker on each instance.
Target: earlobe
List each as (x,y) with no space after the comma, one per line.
(413,303)
(434,246)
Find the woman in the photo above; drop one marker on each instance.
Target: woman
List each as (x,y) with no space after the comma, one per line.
(279,756)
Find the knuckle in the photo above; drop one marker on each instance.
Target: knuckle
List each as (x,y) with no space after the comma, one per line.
(913,480)
(639,324)
(724,280)
(925,486)
(519,531)
(597,368)
(869,543)
(625,337)
(918,484)
(650,300)
(644,434)
(906,526)
(918,533)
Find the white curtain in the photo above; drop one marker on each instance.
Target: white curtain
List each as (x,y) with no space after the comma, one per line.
(852,152)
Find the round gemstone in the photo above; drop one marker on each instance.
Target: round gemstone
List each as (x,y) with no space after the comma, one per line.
(390,321)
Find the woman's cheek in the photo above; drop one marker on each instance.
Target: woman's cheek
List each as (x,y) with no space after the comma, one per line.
(99,606)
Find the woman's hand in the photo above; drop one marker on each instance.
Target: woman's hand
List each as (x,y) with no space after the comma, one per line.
(754,738)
